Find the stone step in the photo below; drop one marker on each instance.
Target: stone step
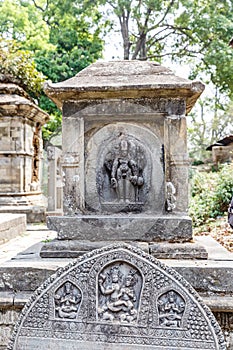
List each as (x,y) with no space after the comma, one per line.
(11,225)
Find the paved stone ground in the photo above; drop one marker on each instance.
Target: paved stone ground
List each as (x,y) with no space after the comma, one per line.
(220,230)
(36,234)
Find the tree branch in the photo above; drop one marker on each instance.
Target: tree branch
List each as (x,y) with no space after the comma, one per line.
(39,7)
(164,16)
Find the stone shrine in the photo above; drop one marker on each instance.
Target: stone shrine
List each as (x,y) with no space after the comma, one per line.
(124,160)
(20,153)
(119,298)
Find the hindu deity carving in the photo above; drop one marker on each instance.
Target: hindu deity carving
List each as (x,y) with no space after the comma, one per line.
(171,198)
(171,308)
(51,153)
(123,169)
(34,186)
(67,301)
(119,289)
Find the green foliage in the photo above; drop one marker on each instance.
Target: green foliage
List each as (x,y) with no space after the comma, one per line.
(52,128)
(18,65)
(209,122)
(211,194)
(57,38)
(191,31)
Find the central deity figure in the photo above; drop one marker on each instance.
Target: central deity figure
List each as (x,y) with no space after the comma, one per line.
(118,296)
(125,177)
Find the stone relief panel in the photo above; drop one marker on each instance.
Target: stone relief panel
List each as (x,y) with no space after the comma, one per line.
(67,300)
(124,170)
(117,297)
(171,308)
(123,179)
(119,291)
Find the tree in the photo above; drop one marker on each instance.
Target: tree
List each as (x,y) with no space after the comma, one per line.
(210,121)
(18,66)
(191,31)
(63,37)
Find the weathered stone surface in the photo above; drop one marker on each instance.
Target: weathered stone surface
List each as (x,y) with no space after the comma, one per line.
(11,225)
(207,277)
(122,228)
(116,297)
(120,78)
(74,248)
(55,184)
(20,151)
(28,278)
(178,251)
(124,152)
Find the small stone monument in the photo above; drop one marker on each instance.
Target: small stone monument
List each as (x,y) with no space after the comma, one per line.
(119,298)
(20,153)
(124,160)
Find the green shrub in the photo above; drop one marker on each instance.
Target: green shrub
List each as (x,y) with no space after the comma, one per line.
(18,66)
(210,194)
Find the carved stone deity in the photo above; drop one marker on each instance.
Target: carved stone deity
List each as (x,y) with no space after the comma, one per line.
(118,298)
(124,168)
(171,308)
(67,301)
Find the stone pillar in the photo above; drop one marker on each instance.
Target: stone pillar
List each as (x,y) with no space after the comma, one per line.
(55,181)
(177,162)
(73,165)
(20,153)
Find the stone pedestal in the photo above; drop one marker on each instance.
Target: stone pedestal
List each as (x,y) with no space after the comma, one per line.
(124,160)
(20,153)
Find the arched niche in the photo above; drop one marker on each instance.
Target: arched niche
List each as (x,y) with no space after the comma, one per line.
(124,170)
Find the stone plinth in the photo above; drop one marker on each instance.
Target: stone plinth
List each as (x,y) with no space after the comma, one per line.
(124,160)
(20,153)
(122,228)
(11,225)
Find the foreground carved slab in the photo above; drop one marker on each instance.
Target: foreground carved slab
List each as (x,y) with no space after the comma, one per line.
(119,298)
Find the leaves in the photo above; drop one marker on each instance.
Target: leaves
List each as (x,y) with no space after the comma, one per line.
(19,65)
(211,194)
(220,230)
(57,38)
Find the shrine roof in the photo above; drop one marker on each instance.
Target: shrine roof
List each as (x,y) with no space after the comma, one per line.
(15,101)
(124,79)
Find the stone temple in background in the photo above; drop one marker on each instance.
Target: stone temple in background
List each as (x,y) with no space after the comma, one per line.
(21,153)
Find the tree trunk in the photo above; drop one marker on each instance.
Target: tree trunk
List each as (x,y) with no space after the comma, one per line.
(124,22)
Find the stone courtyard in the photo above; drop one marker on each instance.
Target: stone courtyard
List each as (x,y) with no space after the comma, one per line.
(124,173)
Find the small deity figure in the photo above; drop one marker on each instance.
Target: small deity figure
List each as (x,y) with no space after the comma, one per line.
(36,153)
(111,289)
(171,198)
(128,298)
(170,310)
(125,176)
(67,301)
(119,304)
